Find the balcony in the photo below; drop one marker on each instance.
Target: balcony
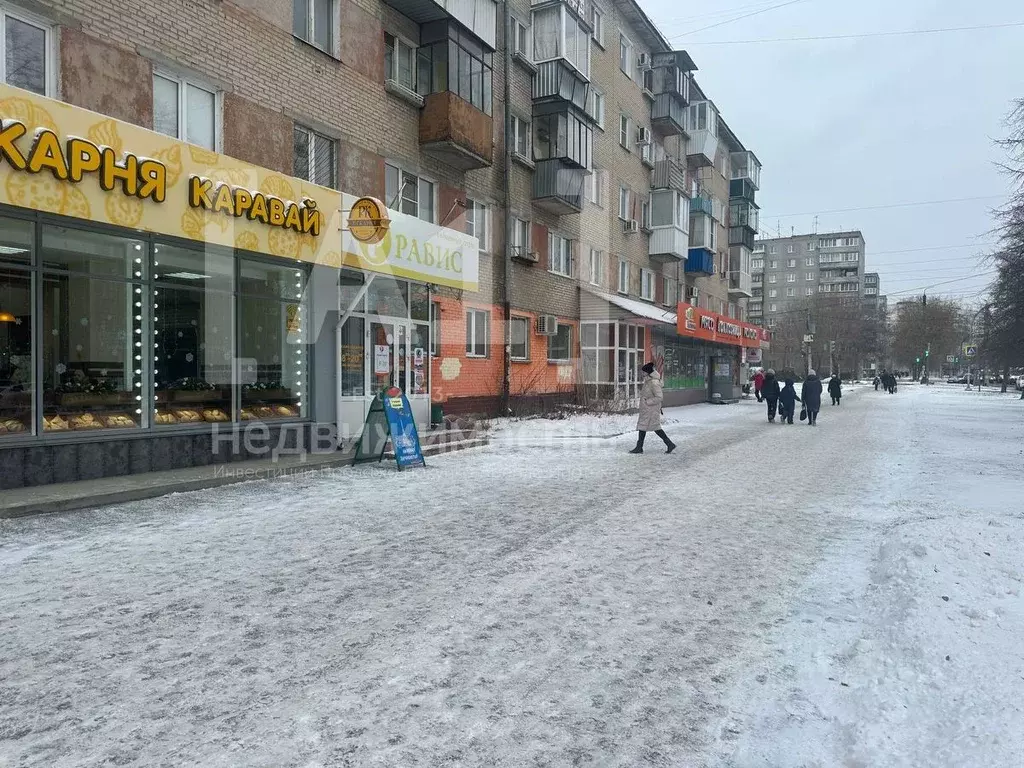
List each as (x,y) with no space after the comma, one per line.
(700,261)
(668,115)
(668,174)
(739,285)
(746,167)
(742,189)
(558,81)
(704,205)
(701,149)
(669,244)
(741,236)
(456,132)
(672,74)
(478,16)
(558,186)
(743,214)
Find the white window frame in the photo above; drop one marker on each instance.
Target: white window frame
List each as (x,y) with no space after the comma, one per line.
(791,277)
(435,329)
(473,332)
(810,261)
(597,271)
(521,29)
(625,131)
(791,292)
(809,290)
(757,264)
(773,308)
(809,276)
(392,76)
(771,249)
(790,263)
(311,25)
(772,279)
(520,123)
(811,246)
(773,264)
(521,228)
(594,187)
(597,23)
(625,203)
(773,293)
(563,247)
(527,321)
(568,357)
(420,181)
(789,248)
(630,63)
(669,290)
(646,284)
(312,135)
(597,100)
(623,275)
(477,213)
(218,106)
(49,48)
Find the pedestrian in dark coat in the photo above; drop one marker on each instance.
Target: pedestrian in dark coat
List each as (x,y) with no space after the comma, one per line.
(835,389)
(770,392)
(787,402)
(758,385)
(651,395)
(811,396)
(877,382)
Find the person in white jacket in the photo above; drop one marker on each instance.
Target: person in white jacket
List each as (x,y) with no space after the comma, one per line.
(651,396)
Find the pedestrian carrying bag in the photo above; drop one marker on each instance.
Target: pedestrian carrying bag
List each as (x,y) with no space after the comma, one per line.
(803,414)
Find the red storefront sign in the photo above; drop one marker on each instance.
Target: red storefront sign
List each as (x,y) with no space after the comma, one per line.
(698,323)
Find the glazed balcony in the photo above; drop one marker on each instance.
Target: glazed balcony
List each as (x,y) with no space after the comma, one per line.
(668,244)
(740,281)
(742,189)
(668,174)
(456,132)
(744,214)
(741,236)
(558,186)
(746,166)
(668,115)
(702,130)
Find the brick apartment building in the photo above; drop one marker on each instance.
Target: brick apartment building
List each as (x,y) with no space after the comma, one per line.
(577,182)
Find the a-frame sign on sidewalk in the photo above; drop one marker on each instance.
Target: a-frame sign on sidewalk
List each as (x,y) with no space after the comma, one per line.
(390,416)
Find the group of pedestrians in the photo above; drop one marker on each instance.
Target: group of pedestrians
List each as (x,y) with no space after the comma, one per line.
(783,399)
(887,381)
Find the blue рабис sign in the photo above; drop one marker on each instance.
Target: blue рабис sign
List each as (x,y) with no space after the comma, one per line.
(404,437)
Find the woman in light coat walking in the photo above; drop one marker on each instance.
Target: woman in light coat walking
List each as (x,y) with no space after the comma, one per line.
(651,396)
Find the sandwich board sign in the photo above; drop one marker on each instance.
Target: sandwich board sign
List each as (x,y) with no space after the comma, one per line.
(390,416)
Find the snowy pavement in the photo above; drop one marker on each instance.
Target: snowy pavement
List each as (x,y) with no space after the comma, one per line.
(766,596)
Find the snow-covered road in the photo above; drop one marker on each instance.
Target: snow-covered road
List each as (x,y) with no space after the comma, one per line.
(767,595)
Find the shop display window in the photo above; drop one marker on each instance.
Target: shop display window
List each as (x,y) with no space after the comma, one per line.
(17,371)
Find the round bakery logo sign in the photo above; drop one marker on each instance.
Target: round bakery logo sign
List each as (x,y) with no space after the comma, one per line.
(368,220)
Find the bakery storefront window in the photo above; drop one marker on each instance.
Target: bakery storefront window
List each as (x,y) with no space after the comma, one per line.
(92,330)
(192,334)
(273,354)
(16,363)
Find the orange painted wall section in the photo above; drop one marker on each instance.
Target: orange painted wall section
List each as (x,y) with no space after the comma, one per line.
(454,374)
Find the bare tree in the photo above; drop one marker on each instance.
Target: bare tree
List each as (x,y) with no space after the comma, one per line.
(935,326)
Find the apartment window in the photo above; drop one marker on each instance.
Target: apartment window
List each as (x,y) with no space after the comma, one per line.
(521,39)
(560,345)
(645,213)
(625,209)
(596,267)
(26,46)
(809,290)
(520,331)
(450,60)
(597,22)
(185,110)
(773,293)
(478,224)
(597,107)
(595,187)
(625,129)
(791,292)
(560,255)
(810,246)
(522,138)
(315,158)
(850,241)
(772,278)
(521,237)
(827,242)
(759,248)
(477,324)
(408,193)
(810,261)
(809,275)
(773,264)
(626,56)
(669,291)
(400,61)
(771,249)
(789,249)
(791,277)
(623,276)
(646,284)
(791,263)
(757,264)
(559,34)
(773,308)
(315,22)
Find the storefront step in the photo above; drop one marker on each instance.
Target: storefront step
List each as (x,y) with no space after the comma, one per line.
(433,449)
(87,494)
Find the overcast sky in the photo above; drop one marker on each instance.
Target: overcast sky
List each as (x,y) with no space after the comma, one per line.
(868,122)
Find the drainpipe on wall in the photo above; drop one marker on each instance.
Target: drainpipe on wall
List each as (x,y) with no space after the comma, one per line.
(506,380)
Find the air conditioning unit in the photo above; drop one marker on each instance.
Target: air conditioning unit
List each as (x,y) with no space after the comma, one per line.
(643,136)
(643,61)
(630,226)
(547,325)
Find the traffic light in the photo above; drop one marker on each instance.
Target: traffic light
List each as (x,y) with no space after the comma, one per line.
(927,352)
(917,360)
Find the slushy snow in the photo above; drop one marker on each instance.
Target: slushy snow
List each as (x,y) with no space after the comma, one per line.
(768,595)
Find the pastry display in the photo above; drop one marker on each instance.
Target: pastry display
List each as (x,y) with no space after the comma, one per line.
(247,415)
(188,416)
(86,421)
(119,421)
(285,410)
(165,417)
(263,412)
(214,414)
(11,425)
(55,424)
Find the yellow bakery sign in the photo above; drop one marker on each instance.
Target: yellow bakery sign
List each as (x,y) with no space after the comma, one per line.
(58,158)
